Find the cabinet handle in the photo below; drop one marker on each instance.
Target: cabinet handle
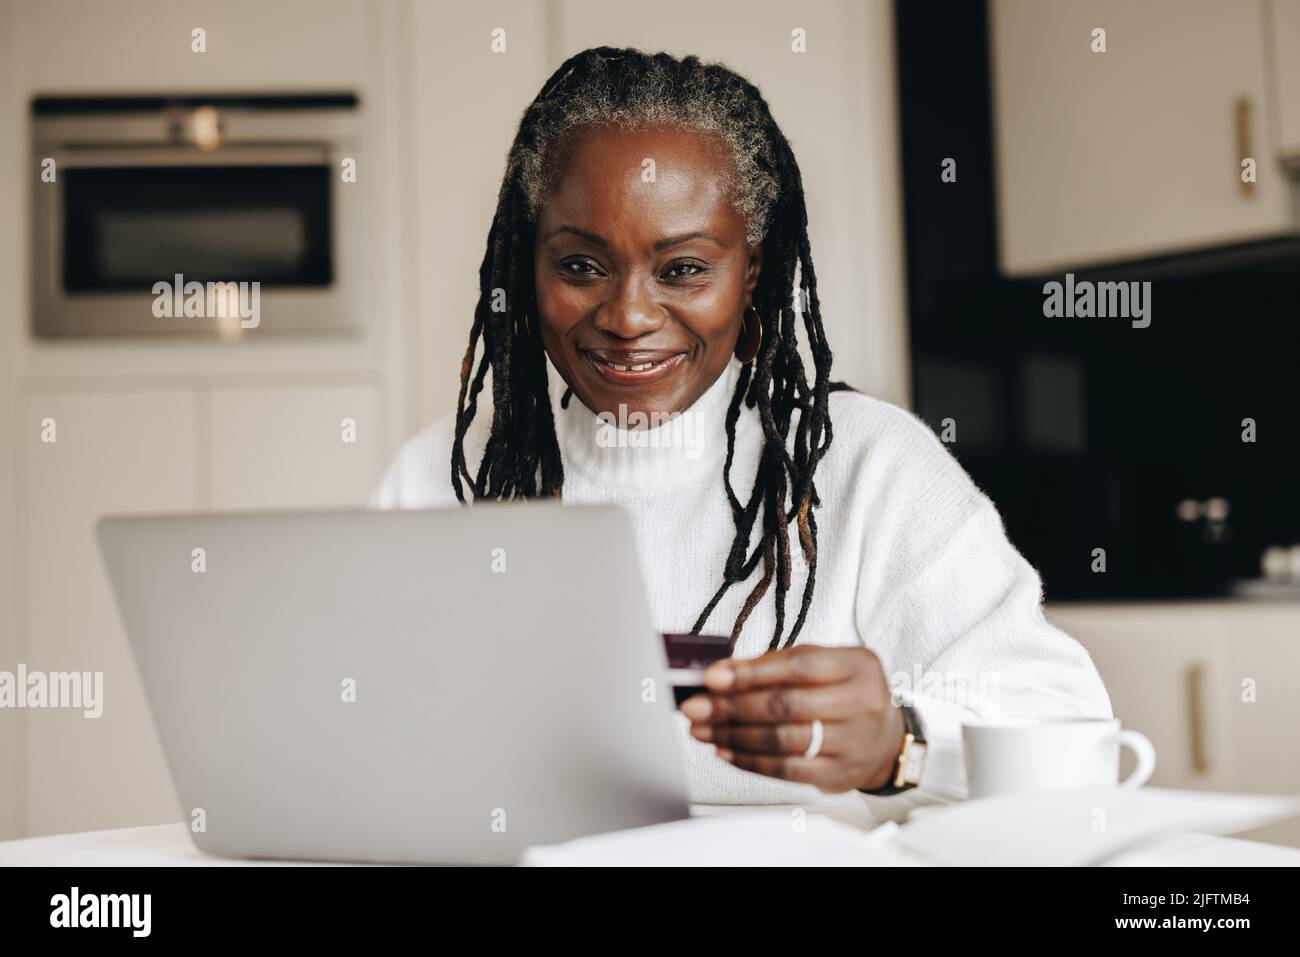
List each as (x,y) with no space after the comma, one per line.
(1196,717)
(1241,117)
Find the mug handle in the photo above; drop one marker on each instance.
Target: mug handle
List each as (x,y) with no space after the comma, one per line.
(1144,751)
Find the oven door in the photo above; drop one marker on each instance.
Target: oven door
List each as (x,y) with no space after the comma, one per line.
(116,223)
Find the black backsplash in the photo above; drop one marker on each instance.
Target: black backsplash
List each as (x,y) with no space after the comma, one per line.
(1087,433)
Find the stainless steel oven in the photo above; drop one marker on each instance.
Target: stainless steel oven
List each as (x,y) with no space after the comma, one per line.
(180,215)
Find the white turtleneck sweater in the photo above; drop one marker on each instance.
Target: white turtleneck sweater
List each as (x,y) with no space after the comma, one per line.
(913,563)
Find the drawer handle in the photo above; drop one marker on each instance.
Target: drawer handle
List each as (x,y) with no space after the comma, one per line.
(1196,717)
(1241,120)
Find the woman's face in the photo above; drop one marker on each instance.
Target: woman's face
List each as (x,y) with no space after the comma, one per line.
(642,282)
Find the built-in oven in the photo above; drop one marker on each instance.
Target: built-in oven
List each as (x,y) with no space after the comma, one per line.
(197,215)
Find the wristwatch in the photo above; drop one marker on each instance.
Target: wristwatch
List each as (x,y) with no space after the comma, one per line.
(911,759)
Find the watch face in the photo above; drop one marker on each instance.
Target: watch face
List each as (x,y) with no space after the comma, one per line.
(913,762)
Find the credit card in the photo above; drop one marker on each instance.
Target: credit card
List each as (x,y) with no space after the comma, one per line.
(688,657)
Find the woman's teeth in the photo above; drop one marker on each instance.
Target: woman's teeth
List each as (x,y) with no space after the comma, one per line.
(634,367)
(648,370)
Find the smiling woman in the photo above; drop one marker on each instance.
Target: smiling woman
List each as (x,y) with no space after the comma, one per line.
(649,256)
(684,265)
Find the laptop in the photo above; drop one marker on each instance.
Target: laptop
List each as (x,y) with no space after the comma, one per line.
(439,686)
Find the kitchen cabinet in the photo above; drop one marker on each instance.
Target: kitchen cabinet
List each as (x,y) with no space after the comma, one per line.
(140,450)
(146,45)
(1135,151)
(1166,670)
(1263,647)
(128,451)
(1284,35)
(1215,685)
(302,447)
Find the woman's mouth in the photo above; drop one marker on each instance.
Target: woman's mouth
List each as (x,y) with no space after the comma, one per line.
(637,367)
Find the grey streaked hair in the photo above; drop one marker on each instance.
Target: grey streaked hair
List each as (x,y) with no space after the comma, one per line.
(686,94)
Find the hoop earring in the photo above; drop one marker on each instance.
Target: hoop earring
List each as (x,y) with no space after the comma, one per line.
(750,340)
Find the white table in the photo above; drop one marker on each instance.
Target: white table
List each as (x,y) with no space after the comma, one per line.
(169,845)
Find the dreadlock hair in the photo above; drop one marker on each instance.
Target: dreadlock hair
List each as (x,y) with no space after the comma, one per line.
(631,89)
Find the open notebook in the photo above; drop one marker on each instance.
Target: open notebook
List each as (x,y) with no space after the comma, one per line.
(1079,826)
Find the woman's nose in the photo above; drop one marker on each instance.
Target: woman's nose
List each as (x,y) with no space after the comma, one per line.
(630,313)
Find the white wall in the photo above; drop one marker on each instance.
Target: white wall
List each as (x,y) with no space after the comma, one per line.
(465,105)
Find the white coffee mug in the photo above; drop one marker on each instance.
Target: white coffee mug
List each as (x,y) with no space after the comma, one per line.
(1005,756)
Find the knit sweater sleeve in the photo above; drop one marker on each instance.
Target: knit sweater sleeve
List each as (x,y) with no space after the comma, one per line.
(420,473)
(959,624)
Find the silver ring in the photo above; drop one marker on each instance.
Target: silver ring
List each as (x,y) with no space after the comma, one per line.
(815,746)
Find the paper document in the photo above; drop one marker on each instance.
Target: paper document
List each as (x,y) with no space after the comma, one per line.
(1074,827)
(1079,826)
(741,839)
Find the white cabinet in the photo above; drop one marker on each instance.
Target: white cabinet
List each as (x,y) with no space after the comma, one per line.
(1264,649)
(306,447)
(148,451)
(1166,671)
(1136,151)
(1285,37)
(1215,685)
(113,452)
(146,45)
(1263,652)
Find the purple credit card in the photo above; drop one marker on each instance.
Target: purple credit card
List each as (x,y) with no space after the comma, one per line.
(688,656)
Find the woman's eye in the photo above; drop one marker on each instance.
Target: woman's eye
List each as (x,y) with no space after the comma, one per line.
(685,270)
(579,267)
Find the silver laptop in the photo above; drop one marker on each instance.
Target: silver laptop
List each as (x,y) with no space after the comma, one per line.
(443,686)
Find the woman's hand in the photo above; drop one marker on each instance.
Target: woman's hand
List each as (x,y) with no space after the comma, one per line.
(759,714)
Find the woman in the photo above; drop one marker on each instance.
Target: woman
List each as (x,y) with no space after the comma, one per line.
(649,258)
